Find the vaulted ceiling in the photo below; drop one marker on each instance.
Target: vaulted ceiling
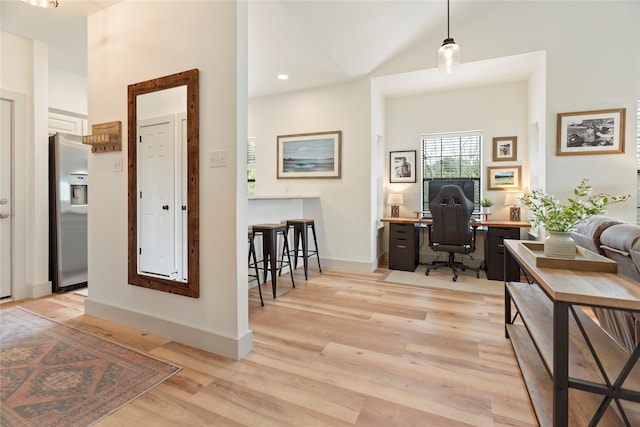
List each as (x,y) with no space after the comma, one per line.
(314,42)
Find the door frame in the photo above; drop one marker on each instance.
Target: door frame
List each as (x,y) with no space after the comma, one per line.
(20,172)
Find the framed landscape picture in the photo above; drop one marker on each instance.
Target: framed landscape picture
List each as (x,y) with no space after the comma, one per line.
(310,155)
(504,178)
(402,166)
(591,132)
(505,148)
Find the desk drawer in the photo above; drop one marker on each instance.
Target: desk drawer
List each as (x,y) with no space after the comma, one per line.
(403,235)
(494,251)
(403,247)
(495,235)
(403,258)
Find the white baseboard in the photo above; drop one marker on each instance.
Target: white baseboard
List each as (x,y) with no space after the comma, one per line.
(358,267)
(41,289)
(184,334)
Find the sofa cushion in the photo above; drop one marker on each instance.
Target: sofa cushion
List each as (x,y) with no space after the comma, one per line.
(587,234)
(618,243)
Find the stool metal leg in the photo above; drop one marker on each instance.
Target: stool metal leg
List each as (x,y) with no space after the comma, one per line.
(252,253)
(315,242)
(286,249)
(269,263)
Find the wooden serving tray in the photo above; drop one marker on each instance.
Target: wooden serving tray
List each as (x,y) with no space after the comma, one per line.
(585,260)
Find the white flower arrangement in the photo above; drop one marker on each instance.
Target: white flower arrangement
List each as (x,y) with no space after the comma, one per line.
(545,209)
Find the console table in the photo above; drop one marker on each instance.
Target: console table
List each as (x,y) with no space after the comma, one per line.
(575,373)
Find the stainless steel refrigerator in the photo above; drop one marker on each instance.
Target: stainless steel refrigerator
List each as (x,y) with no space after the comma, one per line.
(68,202)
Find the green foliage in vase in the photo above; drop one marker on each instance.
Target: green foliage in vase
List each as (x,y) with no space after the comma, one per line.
(546,210)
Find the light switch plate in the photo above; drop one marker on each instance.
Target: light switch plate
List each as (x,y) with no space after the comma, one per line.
(117,164)
(218,158)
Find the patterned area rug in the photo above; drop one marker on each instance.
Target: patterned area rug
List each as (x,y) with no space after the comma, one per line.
(52,374)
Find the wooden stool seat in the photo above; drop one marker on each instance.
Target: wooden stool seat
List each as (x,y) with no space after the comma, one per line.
(269,234)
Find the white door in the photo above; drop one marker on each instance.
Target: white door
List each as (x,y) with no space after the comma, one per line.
(156,198)
(6,127)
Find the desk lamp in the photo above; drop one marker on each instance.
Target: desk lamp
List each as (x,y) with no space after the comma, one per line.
(513,200)
(395,200)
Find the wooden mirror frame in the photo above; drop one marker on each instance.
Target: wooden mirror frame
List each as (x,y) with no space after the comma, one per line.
(191,287)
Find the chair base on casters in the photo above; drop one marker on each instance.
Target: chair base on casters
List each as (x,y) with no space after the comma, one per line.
(453,265)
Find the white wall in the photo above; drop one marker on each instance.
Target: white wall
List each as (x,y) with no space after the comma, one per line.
(585,71)
(496,110)
(137,41)
(67,91)
(24,81)
(343,216)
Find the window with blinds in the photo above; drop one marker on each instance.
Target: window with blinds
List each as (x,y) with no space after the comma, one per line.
(251,167)
(451,156)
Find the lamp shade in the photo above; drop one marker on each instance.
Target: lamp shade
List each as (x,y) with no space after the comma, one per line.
(395,199)
(513,199)
(448,56)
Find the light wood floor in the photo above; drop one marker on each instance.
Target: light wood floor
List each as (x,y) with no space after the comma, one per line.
(341,349)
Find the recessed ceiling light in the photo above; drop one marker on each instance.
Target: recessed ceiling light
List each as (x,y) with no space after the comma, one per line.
(283,76)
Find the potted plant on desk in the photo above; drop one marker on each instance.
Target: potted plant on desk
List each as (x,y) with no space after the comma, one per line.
(485,206)
(559,220)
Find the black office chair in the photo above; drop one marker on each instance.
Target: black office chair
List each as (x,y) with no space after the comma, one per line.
(452,230)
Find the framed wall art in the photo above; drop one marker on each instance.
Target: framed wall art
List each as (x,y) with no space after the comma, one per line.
(591,132)
(310,155)
(402,166)
(504,178)
(505,148)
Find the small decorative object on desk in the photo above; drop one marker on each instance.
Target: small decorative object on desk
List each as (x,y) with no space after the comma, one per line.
(485,206)
(559,220)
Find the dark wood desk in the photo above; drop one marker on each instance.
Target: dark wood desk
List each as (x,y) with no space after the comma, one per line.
(479,223)
(404,247)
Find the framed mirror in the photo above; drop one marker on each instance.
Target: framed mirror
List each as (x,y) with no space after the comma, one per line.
(163,161)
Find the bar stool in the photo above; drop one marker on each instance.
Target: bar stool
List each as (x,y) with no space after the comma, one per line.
(254,264)
(300,233)
(269,234)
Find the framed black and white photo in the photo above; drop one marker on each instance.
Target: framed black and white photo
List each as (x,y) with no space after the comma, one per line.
(591,132)
(402,166)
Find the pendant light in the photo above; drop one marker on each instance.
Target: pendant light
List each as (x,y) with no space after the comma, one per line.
(42,3)
(449,52)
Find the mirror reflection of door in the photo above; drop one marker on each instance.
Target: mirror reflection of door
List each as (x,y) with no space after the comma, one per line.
(162,191)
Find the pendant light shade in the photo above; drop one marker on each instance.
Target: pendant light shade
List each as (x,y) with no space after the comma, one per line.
(449,52)
(448,56)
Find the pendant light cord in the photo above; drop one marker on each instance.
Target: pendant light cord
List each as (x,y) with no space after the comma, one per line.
(448,19)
